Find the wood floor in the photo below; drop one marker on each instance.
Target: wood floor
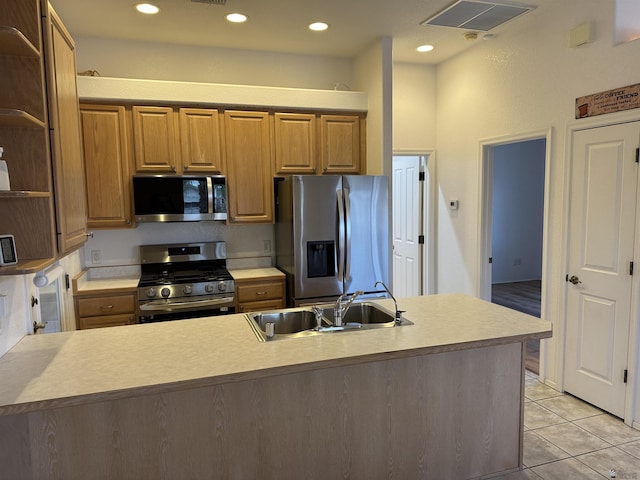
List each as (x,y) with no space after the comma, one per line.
(523,297)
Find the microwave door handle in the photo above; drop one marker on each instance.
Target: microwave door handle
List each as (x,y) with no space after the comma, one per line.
(347,237)
(210,196)
(341,234)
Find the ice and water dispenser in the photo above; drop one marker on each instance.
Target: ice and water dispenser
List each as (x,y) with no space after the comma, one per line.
(321,259)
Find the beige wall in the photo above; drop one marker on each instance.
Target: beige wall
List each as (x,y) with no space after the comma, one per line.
(414,107)
(522,81)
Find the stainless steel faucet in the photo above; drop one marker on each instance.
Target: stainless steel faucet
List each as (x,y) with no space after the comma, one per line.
(340,309)
(398,314)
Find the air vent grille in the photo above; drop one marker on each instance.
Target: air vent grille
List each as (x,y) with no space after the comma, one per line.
(476,15)
(211,2)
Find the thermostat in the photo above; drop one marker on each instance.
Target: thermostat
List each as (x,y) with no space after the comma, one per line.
(453,204)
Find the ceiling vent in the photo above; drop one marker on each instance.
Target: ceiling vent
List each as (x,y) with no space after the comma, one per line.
(476,15)
(211,2)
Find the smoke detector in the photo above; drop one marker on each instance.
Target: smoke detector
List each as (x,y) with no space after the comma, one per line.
(471,36)
(477,15)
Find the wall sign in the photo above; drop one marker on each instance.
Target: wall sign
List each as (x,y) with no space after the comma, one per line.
(616,100)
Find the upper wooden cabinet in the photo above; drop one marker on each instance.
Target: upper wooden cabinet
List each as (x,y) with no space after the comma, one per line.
(155,139)
(106,147)
(184,141)
(26,211)
(200,140)
(248,162)
(64,125)
(307,143)
(296,146)
(341,148)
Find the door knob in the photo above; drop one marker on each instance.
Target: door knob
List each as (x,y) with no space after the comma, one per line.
(575,280)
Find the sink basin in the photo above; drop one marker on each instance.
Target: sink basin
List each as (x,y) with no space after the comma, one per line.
(301,321)
(365,313)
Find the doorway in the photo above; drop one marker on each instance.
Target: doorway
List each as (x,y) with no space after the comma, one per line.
(514,212)
(412,224)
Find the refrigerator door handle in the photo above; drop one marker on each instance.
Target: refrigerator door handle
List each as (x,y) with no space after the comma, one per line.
(347,238)
(341,235)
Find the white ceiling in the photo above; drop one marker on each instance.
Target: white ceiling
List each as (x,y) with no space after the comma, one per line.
(279,25)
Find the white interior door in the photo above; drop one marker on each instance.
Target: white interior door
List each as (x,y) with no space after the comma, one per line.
(601,237)
(407,226)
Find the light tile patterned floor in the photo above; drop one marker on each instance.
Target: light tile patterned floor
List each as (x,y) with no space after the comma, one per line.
(566,438)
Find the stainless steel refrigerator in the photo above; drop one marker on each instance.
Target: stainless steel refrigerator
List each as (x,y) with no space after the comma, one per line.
(332,235)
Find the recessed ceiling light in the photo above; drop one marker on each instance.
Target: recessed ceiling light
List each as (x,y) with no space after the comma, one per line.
(147,8)
(425,48)
(236,18)
(318,26)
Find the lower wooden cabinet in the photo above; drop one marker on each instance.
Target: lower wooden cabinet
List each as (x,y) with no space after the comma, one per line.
(262,294)
(105,310)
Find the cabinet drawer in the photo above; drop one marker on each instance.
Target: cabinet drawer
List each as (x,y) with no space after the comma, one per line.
(260,306)
(105,321)
(108,305)
(252,292)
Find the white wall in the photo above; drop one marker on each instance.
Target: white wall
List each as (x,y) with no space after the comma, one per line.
(373,71)
(518,207)
(131,59)
(521,81)
(414,107)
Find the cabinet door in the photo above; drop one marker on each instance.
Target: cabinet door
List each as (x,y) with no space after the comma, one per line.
(295,143)
(248,161)
(154,135)
(106,147)
(200,140)
(64,116)
(340,145)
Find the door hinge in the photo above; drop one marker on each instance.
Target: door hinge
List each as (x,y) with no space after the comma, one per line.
(631,268)
(490,259)
(421,177)
(637,155)
(626,374)
(420,239)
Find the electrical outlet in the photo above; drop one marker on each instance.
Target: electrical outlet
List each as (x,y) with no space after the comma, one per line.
(267,246)
(96,256)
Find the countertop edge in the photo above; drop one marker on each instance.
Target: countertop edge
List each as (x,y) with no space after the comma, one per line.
(28,407)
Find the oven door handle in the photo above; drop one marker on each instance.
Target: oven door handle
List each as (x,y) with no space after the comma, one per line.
(165,306)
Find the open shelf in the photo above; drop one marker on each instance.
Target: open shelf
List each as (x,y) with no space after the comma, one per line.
(10,117)
(26,267)
(23,194)
(13,42)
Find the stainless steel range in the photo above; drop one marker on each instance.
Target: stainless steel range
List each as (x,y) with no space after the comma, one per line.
(184,281)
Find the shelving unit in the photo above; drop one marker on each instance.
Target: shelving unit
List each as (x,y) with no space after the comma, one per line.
(27,210)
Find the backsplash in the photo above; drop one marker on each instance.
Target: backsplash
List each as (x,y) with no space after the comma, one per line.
(247,245)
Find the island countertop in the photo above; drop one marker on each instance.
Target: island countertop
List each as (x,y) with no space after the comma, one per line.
(72,368)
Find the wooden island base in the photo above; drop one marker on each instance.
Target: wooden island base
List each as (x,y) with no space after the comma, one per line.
(451,415)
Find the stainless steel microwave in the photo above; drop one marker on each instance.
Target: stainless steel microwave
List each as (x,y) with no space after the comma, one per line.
(186,198)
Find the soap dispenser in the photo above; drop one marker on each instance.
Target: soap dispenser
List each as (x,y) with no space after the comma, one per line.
(4,173)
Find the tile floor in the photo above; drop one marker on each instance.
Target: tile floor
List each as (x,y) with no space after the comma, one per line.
(565,438)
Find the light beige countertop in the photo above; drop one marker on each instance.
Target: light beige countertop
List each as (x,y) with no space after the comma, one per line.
(255,273)
(114,279)
(71,368)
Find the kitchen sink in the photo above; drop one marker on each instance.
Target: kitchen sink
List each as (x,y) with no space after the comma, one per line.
(365,313)
(301,321)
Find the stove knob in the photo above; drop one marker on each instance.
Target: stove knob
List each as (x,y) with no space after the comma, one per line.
(187,289)
(222,286)
(165,292)
(208,288)
(151,292)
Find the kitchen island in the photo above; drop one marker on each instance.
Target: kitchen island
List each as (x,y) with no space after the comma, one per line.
(203,398)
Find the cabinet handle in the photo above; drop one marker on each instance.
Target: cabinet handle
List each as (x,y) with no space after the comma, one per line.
(128,221)
(186,167)
(106,307)
(173,168)
(89,234)
(261,293)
